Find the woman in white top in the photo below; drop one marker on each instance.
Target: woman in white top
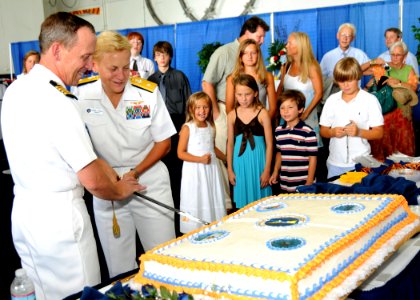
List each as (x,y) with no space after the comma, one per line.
(302,73)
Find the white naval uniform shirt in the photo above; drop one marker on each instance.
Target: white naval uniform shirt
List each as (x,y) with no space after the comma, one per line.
(47,144)
(124,135)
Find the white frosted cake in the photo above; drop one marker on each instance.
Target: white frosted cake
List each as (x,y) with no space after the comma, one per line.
(296,246)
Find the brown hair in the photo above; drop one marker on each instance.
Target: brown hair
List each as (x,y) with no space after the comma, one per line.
(27,55)
(252,25)
(395,30)
(164,47)
(249,81)
(295,96)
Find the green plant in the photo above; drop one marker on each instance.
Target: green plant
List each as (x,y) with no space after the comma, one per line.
(416,31)
(277,55)
(149,292)
(205,53)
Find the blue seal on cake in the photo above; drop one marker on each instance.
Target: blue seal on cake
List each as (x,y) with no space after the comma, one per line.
(270,206)
(208,236)
(286,243)
(348,208)
(283,221)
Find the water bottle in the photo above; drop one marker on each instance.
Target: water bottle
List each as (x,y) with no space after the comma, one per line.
(22,287)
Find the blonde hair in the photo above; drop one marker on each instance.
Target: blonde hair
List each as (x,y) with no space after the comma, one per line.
(110,41)
(306,57)
(239,65)
(191,104)
(347,69)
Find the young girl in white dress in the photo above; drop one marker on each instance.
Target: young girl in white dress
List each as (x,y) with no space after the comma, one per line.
(201,185)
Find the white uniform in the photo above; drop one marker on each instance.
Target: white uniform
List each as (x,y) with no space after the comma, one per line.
(47,144)
(123,136)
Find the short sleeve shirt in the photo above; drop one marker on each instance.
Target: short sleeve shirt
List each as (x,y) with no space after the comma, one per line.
(124,135)
(365,110)
(44,134)
(330,59)
(221,64)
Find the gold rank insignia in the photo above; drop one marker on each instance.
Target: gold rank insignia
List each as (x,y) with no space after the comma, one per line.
(62,89)
(87,80)
(143,84)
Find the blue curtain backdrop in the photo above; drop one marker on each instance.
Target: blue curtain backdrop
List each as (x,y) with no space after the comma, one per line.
(370,19)
(190,39)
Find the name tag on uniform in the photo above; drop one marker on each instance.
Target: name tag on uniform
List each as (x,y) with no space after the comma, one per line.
(94,111)
(137,110)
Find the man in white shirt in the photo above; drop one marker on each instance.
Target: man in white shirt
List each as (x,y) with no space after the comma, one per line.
(345,36)
(393,35)
(139,65)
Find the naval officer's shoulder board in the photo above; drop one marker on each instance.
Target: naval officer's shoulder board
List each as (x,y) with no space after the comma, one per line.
(87,80)
(143,84)
(62,89)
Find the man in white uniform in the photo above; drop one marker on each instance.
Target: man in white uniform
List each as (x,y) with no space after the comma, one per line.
(51,159)
(131,129)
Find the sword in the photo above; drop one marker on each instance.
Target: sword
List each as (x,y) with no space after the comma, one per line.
(180,212)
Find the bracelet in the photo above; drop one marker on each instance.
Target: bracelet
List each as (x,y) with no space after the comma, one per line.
(359,133)
(372,62)
(136,174)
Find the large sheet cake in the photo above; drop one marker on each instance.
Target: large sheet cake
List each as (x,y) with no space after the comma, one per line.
(296,246)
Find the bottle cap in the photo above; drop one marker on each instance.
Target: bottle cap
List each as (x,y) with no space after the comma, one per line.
(20,272)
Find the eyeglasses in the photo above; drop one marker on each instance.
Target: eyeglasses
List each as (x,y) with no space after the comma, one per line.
(397,54)
(349,36)
(138,42)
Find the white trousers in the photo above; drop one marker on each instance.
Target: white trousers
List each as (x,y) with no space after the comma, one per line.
(53,236)
(153,223)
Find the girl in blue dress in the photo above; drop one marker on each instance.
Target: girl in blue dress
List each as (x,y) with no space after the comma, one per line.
(250,144)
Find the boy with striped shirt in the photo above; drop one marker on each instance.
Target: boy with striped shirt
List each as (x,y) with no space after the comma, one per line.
(296,145)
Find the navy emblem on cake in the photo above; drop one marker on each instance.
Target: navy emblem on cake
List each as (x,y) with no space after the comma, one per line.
(208,237)
(348,208)
(283,221)
(270,206)
(286,243)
